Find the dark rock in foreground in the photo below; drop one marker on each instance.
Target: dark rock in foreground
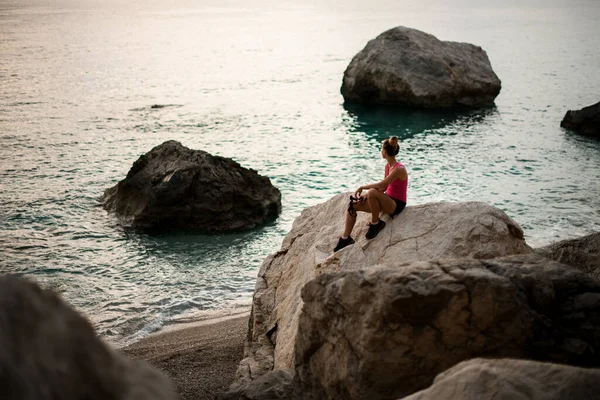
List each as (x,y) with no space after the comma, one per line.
(407,67)
(173,187)
(50,352)
(481,379)
(585,121)
(582,253)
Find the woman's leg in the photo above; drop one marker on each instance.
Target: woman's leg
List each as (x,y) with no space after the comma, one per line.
(379,201)
(351,220)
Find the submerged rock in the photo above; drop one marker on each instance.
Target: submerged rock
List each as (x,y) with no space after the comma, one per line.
(582,253)
(407,67)
(481,379)
(585,121)
(385,331)
(424,232)
(50,352)
(173,187)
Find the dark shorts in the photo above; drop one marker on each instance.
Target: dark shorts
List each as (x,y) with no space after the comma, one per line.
(399,207)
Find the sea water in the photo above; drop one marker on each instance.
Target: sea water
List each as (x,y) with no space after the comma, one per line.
(260,82)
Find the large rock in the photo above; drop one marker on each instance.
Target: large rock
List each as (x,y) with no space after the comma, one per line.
(386,331)
(585,121)
(507,379)
(50,352)
(424,232)
(173,187)
(582,253)
(407,67)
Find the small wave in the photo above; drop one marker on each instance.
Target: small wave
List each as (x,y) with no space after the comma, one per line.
(151,327)
(24,103)
(31,247)
(156,107)
(167,324)
(235,309)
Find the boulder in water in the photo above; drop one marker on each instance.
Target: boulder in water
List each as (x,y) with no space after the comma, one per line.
(585,121)
(407,67)
(174,187)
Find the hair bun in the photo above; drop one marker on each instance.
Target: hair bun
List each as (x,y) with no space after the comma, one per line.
(393,141)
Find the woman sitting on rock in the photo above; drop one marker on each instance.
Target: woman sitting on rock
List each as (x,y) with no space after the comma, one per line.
(388,195)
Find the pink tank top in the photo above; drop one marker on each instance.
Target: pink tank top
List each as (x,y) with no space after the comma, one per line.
(396,189)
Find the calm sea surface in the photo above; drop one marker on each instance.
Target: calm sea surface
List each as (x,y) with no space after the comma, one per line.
(259,82)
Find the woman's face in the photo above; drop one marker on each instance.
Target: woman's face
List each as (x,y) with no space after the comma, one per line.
(383,153)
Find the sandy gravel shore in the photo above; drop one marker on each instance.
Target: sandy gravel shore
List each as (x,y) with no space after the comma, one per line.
(201,360)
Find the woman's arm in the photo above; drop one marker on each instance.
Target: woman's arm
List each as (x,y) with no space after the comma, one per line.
(376,186)
(397,173)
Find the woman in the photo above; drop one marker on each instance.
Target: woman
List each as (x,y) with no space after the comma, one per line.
(388,195)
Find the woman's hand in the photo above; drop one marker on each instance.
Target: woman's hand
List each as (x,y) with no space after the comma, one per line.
(358,192)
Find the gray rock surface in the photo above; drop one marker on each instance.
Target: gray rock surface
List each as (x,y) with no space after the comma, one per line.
(507,379)
(424,232)
(385,332)
(585,121)
(50,352)
(407,67)
(582,253)
(173,187)
(274,385)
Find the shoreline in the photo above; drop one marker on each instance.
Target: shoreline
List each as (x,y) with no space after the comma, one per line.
(202,321)
(205,317)
(200,357)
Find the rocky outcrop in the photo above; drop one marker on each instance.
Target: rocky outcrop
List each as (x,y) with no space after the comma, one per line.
(274,385)
(585,121)
(49,352)
(481,379)
(582,253)
(407,67)
(173,187)
(424,232)
(386,331)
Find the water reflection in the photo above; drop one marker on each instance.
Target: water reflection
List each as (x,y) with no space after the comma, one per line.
(178,244)
(381,122)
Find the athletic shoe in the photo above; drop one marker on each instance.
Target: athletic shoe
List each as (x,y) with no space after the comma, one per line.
(375,229)
(343,243)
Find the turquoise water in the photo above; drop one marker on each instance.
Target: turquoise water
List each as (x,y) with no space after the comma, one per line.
(260,83)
